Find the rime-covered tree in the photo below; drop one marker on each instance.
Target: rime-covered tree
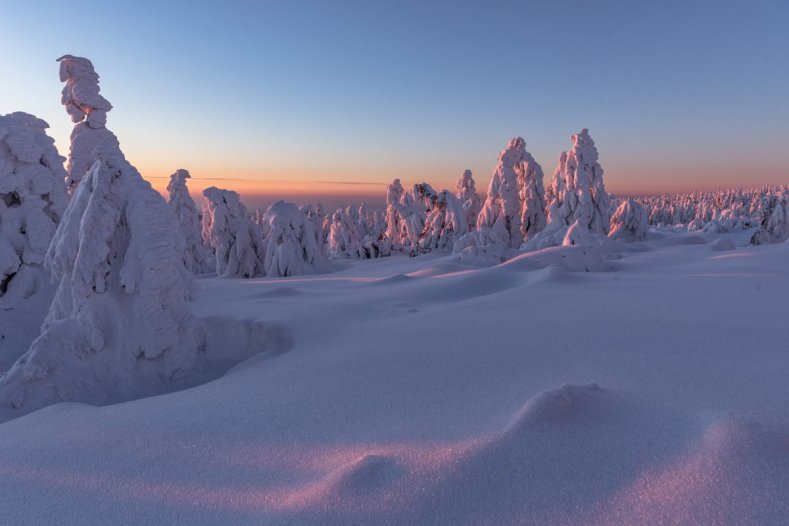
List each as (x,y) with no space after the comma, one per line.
(445,224)
(629,222)
(466,192)
(343,239)
(197,257)
(292,247)
(395,215)
(532,196)
(88,111)
(32,201)
(774,226)
(501,212)
(119,326)
(235,239)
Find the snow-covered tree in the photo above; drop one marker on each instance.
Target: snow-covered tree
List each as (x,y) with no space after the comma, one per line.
(230,231)
(629,222)
(88,110)
(292,247)
(532,196)
(501,213)
(466,192)
(32,201)
(445,224)
(577,195)
(343,239)
(774,227)
(395,218)
(197,256)
(375,244)
(414,212)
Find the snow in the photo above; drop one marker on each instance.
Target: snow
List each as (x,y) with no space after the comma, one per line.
(663,404)
(293,246)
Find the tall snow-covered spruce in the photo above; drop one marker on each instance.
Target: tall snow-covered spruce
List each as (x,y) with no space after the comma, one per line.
(119,326)
(88,111)
(577,194)
(501,213)
(32,201)
(532,196)
(466,192)
(197,257)
(235,238)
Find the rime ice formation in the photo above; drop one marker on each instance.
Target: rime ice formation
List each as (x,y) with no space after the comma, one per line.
(229,230)
(532,196)
(32,201)
(577,194)
(466,192)
(629,222)
(196,255)
(501,213)
(292,246)
(774,227)
(88,110)
(343,238)
(119,326)
(445,223)
(395,220)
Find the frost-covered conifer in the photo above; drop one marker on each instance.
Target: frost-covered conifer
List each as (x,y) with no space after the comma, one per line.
(466,192)
(532,196)
(774,227)
(445,224)
(235,239)
(501,213)
(32,201)
(395,220)
(343,239)
(88,110)
(629,222)
(197,257)
(292,247)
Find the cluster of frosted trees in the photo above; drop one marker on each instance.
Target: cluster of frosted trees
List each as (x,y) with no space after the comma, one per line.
(123,258)
(723,211)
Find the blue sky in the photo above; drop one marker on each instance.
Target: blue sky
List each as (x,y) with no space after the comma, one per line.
(302,97)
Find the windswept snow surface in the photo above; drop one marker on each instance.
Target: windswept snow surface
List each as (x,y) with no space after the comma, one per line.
(421,391)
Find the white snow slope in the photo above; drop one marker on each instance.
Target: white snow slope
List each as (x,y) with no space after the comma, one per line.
(417,391)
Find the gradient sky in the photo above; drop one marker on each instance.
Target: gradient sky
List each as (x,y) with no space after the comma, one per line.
(333,99)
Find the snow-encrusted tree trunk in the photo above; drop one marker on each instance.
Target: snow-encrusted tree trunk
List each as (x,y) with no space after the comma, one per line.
(88,110)
(532,196)
(629,222)
(466,192)
(292,247)
(500,216)
(230,231)
(32,201)
(197,257)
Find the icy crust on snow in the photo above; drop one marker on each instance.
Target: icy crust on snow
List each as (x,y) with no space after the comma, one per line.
(119,326)
(233,236)
(88,111)
(197,256)
(32,202)
(292,246)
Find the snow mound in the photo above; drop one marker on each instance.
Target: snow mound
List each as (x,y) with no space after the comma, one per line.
(722,245)
(366,474)
(573,258)
(555,404)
